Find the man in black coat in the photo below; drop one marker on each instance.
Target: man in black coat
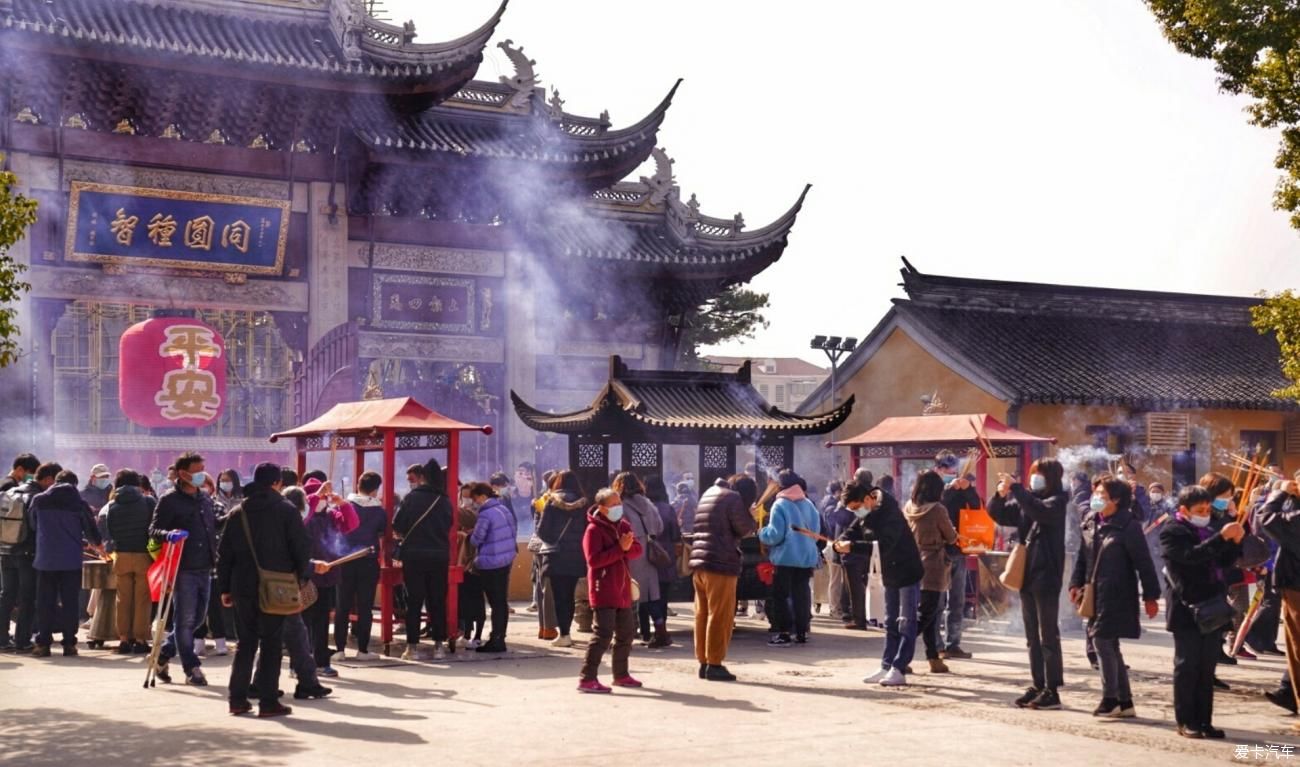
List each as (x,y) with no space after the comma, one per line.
(958,494)
(1194,555)
(282,546)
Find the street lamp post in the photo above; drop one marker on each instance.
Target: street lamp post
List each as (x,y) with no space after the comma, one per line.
(835,348)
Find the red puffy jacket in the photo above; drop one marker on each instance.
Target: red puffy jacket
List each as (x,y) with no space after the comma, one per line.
(609,581)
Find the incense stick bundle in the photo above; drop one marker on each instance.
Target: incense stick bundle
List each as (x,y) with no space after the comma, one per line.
(981,438)
(358,554)
(810,534)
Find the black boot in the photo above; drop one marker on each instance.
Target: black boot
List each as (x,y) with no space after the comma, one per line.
(718,674)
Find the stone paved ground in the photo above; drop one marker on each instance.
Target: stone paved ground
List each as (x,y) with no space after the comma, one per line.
(793,706)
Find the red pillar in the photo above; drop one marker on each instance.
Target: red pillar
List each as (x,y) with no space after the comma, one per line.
(455,573)
(302,461)
(389,576)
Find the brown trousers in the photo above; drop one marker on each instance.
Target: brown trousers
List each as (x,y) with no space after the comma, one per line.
(616,625)
(1291,622)
(133,601)
(715,615)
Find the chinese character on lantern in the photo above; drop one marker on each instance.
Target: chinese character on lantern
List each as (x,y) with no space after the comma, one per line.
(178,373)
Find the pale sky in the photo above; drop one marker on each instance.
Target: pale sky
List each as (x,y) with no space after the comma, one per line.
(1041,140)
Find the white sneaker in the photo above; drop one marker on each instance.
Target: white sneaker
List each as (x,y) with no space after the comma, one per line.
(366,656)
(338,657)
(439,652)
(412,652)
(200,647)
(474,644)
(562,640)
(532,608)
(894,678)
(877,677)
(221,647)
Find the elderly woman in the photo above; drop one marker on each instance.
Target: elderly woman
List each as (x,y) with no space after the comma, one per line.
(610,547)
(1114,559)
(1195,556)
(647,524)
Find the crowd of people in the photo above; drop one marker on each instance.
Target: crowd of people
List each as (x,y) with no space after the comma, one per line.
(1102,549)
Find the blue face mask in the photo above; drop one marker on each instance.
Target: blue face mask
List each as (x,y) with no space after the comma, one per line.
(861,512)
(103,483)
(1097,503)
(199,478)
(1221,504)
(947,481)
(1037,482)
(615,513)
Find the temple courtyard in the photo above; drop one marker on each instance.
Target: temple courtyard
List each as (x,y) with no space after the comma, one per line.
(798,705)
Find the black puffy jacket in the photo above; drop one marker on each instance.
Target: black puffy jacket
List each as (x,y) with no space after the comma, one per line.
(282,544)
(563,523)
(1114,555)
(424,540)
(900,559)
(1189,570)
(1280,519)
(1040,522)
(129,514)
(721,521)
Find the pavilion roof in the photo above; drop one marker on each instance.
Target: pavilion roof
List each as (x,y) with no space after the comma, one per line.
(946,429)
(679,401)
(402,414)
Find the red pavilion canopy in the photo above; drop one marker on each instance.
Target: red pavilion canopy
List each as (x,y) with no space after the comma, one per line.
(940,428)
(402,414)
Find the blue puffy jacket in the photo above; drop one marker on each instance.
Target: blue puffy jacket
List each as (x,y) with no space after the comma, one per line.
(495,535)
(787,548)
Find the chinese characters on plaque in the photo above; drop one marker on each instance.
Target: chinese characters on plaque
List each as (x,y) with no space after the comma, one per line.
(185,230)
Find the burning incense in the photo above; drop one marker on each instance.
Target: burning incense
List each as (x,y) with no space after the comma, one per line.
(358,554)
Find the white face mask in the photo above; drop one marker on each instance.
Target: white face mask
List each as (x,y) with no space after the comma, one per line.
(1199,521)
(1157,497)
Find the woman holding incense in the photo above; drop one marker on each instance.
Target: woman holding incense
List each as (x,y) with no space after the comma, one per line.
(329,519)
(359,578)
(1038,514)
(794,555)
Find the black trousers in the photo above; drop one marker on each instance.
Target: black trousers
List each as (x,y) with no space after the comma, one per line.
(855,589)
(317,618)
(257,632)
(57,600)
(1041,613)
(791,600)
(1195,657)
(356,593)
(496,585)
(17,590)
(562,588)
(426,582)
(927,621)
(221,620)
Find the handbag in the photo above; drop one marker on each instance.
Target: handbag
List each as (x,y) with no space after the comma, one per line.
(684,560)
(655,554)
(1212,614)
(397,555)
(1087,607)
(1013,575)
(278,593)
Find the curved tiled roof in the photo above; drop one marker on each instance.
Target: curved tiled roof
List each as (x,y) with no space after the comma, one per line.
(680,401)
(305,43)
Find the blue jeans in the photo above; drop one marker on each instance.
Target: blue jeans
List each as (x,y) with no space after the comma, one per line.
(189,610)
(956,599)
(900,626)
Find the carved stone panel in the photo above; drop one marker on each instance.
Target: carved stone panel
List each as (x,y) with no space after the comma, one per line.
(416,258)
(46,177)
(265,295)
(430,347)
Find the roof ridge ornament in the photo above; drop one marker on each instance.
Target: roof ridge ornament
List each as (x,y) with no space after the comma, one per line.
(347,22)
(662,183)
(525,80)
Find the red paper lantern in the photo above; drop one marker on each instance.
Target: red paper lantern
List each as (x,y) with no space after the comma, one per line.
(172,373)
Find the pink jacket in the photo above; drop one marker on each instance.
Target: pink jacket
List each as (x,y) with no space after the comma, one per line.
(343,516)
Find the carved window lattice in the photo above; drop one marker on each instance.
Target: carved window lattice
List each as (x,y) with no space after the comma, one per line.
(592,456)
(875,451)
(313,443)
(772,457)
(714,457)
(370,441)
(645,455)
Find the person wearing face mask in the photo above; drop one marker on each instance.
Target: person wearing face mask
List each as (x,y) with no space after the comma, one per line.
(1223,512)
(1162,509)
(609,546)
(97,488)
(495,535)
(17,549)
(1195,555)
(187,513)
(1038,514)
(471,610)
(958,493)
(1114,559)
(230,491)
(1280,519)
(878,520)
